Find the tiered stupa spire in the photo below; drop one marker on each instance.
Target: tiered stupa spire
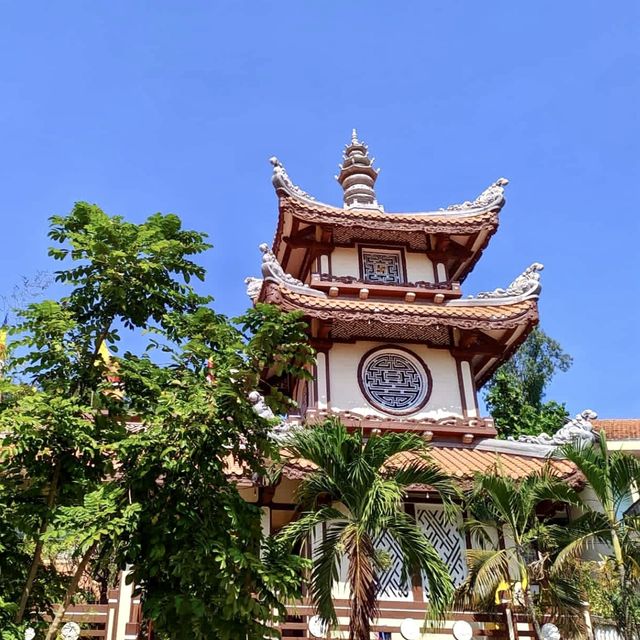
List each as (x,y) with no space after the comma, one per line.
(357,176)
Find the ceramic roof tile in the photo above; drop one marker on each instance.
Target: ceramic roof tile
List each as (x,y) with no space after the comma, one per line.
(460,462)
(619,429)
(515,313)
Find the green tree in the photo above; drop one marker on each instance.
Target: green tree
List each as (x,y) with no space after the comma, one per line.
(515,394)
(197,550)
(74,477)
(610,476)
(357,489)
(515,543)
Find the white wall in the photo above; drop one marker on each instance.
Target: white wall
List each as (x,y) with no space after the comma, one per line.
(344,262)
(419,267)
(345,394)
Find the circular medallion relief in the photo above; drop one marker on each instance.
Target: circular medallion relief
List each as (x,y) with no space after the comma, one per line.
(394,380)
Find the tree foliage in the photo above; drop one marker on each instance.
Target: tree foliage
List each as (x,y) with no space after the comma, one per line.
(76,478)
(514,545)
(610,476)
(356,491)
(515,395)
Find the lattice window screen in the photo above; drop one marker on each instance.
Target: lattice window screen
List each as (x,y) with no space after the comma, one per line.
(446,538)
(382,266)
(391,585)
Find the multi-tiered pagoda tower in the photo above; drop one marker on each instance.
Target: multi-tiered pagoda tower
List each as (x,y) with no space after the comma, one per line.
(397,344)
(398,348)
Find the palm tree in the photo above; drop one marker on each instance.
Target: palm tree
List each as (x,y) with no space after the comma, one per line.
(356,489)
(611,476)
(500,505)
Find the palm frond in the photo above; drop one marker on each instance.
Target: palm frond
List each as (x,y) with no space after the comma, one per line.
(314,487)
(425,472)
(479,531)
(502,493)
(307,523)
(326,571)
(592,462)
(571,551)
(624,472)
(420,555)
(547,486)
(379,450)
(380,500)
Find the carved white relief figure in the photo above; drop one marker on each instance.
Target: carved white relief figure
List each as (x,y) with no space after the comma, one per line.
(272,270)
(528,282)
(254,285)
(260,407)
(576,430)
(281,179)
(493,193)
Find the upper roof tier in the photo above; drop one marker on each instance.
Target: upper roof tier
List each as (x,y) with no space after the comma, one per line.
(485,328)
(455,235)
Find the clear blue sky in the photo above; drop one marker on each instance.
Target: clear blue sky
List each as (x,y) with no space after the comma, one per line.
(176,107)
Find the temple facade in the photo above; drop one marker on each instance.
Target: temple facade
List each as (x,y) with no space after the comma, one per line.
(399,347)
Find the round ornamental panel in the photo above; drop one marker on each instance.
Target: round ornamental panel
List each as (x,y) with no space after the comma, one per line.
(462,630)
(394,380)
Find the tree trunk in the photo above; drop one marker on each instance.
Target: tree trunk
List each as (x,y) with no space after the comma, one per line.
(362,586)
(37,553)
(623,625)
(531,610)
(71,591)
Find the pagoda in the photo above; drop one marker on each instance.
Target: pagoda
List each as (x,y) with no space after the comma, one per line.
(397,344)
(398,348)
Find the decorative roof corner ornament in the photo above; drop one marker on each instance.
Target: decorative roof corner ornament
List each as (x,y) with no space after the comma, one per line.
(254,286)
(282,431)
(281,180)
(260,407)
(526,284)
(576,430)
(358,175)
(272,271)
(492,195)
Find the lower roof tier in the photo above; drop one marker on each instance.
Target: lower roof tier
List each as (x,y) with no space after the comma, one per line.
(484,332)
(461,462)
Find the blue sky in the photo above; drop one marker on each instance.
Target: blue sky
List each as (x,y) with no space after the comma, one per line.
(177,106)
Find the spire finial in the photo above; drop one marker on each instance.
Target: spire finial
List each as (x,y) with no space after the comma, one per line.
(357,175)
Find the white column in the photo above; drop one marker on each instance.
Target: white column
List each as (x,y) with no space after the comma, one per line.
(324,263)
(321,373)
(266,521)
(124,604)
(442,272)
(469,391)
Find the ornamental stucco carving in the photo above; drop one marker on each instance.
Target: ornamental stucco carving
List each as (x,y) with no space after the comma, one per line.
(272,271)
(526,284)
(259,406)
(492,194)
(281,179)
(576,430)
(254,286)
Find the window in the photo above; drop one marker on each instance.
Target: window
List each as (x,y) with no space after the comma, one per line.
(382,265)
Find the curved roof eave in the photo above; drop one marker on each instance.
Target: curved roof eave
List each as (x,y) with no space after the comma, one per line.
(491,200)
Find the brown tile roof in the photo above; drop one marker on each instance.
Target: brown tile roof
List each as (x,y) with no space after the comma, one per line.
(489,316)
(463,463)
(471,219)
(458,461)
(619,428)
